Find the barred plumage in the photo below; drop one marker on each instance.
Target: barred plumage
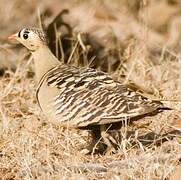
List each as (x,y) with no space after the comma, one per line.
(87,96)
(39,32)
(81,97)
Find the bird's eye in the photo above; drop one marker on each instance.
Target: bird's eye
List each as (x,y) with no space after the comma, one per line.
(25,36)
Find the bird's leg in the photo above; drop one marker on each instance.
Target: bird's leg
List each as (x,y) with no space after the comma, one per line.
(102,141)
(108,139)
(96,146)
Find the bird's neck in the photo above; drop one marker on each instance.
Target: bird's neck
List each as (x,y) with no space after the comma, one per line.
(44,60)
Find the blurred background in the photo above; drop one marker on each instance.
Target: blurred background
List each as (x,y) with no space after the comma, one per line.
(136,41)
(139,41)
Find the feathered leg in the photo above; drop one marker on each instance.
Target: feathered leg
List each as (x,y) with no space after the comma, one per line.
(108,140)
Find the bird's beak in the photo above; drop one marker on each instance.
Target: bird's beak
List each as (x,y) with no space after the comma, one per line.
(13,36)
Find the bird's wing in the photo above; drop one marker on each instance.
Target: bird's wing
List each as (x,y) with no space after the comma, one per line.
(89,96)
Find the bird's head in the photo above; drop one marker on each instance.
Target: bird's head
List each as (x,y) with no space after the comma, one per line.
(31,38)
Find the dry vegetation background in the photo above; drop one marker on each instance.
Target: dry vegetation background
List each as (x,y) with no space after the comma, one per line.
(137,42)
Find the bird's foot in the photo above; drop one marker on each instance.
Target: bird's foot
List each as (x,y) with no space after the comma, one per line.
(109,141)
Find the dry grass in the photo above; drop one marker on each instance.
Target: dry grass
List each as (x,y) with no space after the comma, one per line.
(32,148)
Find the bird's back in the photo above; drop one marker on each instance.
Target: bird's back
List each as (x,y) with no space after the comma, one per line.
(83,96)
(79,96)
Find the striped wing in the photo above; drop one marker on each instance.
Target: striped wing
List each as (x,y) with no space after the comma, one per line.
(90,97)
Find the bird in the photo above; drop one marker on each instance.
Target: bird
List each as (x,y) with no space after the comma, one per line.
(81,97)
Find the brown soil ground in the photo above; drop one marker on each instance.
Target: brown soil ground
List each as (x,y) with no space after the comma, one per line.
(136,42)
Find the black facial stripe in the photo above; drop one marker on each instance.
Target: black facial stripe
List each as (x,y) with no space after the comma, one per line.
(26,32)
(19,33)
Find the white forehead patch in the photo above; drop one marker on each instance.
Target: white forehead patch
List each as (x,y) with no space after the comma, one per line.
(41,34)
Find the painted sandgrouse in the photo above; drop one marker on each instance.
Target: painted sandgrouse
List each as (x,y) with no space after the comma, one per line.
(80,97)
